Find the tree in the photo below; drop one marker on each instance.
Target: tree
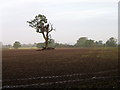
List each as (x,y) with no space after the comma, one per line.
(112,42)
(84,42)
(42,26)
(81,42)
(16,45)
(99,43)
(89,43)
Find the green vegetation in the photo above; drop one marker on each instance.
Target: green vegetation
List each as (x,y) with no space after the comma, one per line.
(82,42)
(40,45)
(112,42)
(16,45)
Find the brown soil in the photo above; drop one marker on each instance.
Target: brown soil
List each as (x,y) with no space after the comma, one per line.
(19,64)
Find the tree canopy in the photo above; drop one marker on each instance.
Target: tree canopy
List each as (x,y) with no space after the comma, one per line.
(16,45)
(42,26)
(112,42)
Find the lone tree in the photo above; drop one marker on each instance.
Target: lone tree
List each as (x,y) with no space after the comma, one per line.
(42,26)
(16,45)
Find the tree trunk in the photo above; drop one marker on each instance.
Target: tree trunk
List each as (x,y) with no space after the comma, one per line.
(46,43)
(46,39)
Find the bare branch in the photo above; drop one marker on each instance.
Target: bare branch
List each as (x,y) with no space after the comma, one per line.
(51,29)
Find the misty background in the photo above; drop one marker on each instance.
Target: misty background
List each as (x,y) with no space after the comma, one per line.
(95,19)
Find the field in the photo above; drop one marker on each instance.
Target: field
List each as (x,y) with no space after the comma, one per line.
(81,68)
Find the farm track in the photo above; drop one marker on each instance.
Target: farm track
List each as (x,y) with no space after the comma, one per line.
(57,80)
(61,76)
(60,82)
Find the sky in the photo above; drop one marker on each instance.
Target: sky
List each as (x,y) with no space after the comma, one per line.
(95,19)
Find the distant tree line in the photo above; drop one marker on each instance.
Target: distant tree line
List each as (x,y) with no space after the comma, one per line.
(85,42)
(81,42)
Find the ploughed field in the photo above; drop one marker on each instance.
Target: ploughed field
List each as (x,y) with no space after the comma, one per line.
(81,68)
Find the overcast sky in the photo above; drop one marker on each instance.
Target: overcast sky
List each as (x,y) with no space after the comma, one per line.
(95,19)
